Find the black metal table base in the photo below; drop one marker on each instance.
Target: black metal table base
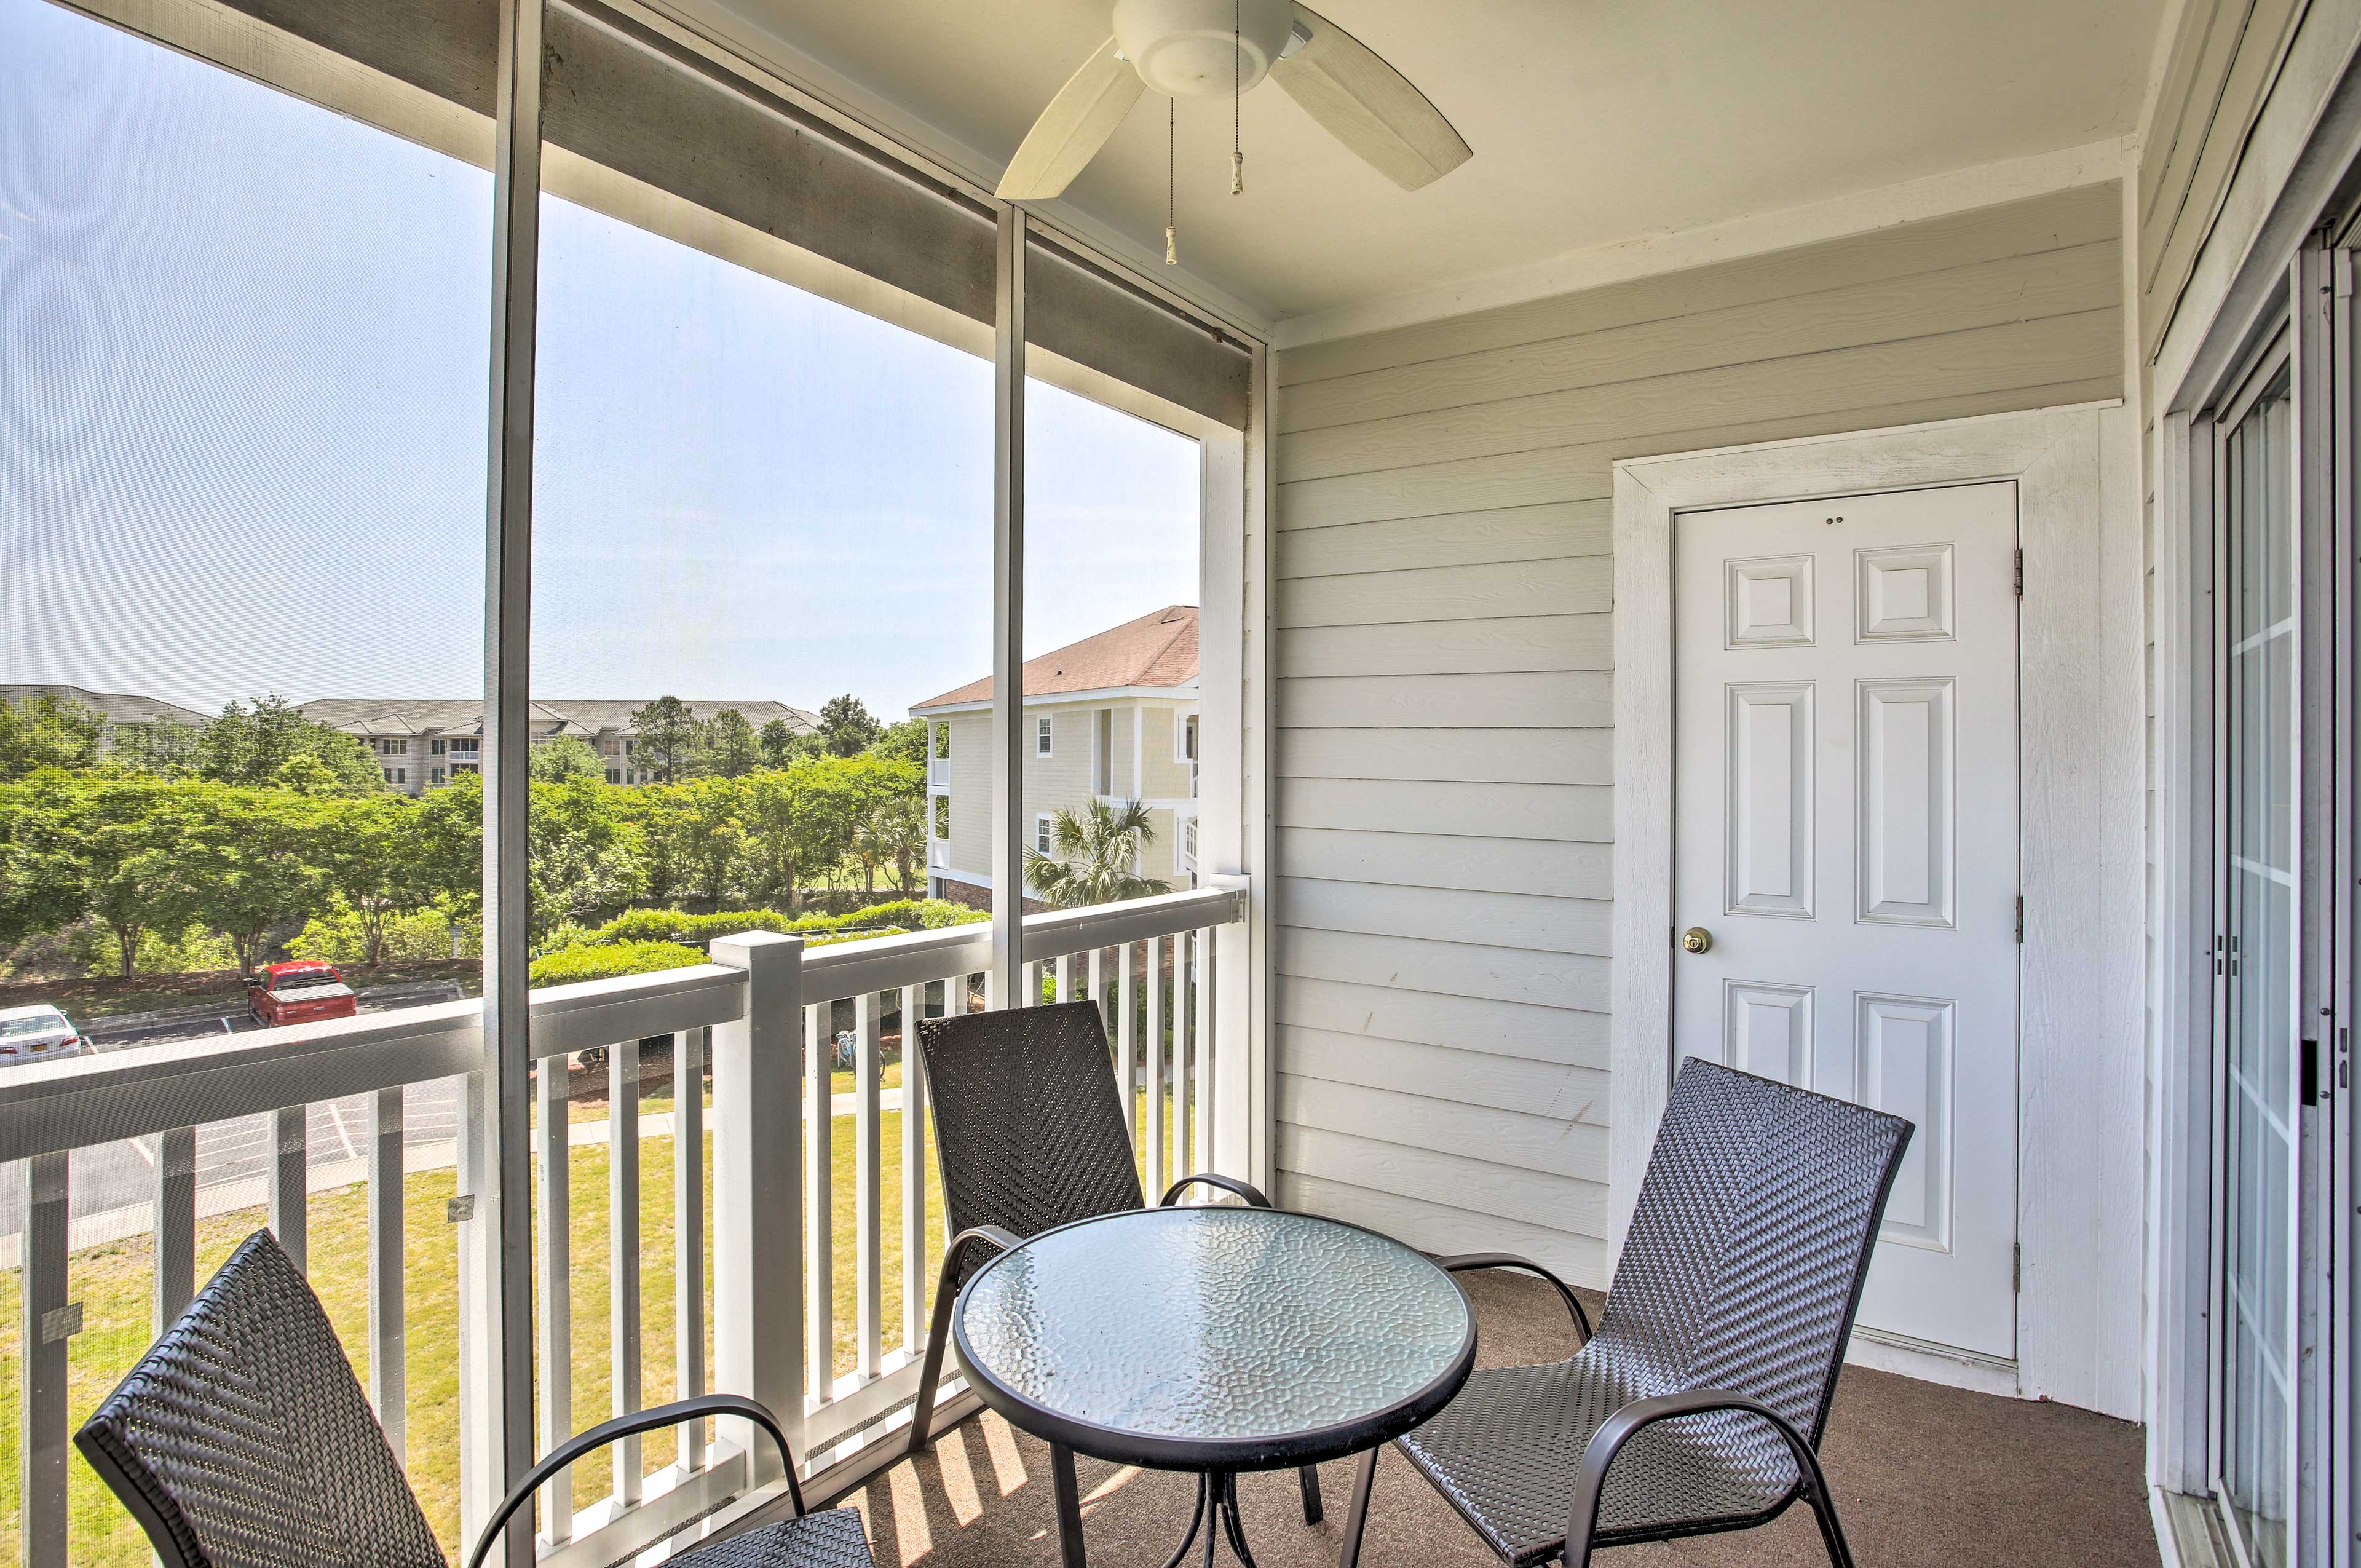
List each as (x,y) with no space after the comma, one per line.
(1215,1518)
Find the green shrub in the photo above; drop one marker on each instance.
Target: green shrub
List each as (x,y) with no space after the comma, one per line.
(334,937)
(602,962)
(661,924)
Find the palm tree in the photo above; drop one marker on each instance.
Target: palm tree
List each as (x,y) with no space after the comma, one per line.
(1092,852)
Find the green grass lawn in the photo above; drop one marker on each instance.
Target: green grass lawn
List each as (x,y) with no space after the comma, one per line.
(113,1283)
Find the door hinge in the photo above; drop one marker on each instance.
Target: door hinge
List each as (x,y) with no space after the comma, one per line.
(2020,918)
(2016,1269)
(2020,573)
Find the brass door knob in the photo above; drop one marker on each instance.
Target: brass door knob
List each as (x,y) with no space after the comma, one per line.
(1697,938)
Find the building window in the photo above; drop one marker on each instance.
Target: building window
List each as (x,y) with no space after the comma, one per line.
(614,775)
(1184,738)
(393,748)
(1041,736)
(436,748)
(468,748)
(387,773)
(1041,832)
(1102,751)
(436,775)
(458,768)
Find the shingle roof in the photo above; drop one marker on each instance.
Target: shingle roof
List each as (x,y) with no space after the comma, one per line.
(1159,649)
(115,708)
(410,716)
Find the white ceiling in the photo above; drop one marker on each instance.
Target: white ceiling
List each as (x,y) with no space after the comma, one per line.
(1593,121)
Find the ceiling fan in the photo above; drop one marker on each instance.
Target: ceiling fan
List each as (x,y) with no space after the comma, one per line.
(1199,48)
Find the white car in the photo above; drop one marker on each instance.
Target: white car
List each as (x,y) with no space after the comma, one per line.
(39,1032)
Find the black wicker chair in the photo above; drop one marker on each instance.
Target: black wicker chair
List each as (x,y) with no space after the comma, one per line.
(1699,1404)
(1028,1124)
(242,1438)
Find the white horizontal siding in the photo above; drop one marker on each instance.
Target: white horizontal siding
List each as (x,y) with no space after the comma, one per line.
(1443,679)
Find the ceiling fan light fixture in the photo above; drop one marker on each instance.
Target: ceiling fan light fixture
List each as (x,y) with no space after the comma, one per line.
(1188,49)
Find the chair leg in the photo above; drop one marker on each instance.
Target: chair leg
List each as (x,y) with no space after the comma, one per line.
(1069,1506)
(1309,1476)
(1356,1518)
(1824,1510)
(930,1369)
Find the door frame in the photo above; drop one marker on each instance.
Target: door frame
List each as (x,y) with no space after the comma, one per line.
(2082,1077)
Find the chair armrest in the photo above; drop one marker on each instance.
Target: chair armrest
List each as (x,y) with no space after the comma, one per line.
(1591,1478)
(1464,1261)
(990,1235)
(605,1432)
(1246,1190)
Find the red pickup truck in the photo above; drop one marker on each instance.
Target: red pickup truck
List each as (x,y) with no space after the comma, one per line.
(298,993)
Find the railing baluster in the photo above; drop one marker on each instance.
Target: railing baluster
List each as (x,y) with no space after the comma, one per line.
(1154,1055)
(1094,976)
(688,1231)
(869,1194)
(389,1369)
(1183,1047)
(553,1262)
(1032,986)
(1126,1050)
(819,1205)
(915,1276)
(1202,1155)
(1065,977)
(176,1227)
(623,1243)
(43,1332)
(290,1150)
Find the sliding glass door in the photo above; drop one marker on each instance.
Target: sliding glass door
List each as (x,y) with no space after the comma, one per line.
(2258,1041)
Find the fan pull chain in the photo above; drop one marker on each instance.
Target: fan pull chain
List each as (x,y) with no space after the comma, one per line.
(1171,181)
(1238,94)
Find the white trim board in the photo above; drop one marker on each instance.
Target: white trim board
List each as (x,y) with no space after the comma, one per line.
(2081,1129)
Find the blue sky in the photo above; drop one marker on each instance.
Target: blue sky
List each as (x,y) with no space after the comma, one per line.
(242,408)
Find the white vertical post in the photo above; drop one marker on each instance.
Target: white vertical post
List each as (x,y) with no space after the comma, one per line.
(1201,1152)
(758,1189)
(914,1277)
(1184,1115)
(290,1150)
(1065,977)
(1231,1148)
(1008,836)
(688,1231)
(1032,997)
(1095,977)
(554,1267)
(42,1330)
(496,1443)
(176,1228)
(623,1249)
(869,1191)
(388,1344)
(1127,1058)
(820,1203)
(1154,1108)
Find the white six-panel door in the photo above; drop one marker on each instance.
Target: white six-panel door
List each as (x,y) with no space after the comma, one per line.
(1846,839)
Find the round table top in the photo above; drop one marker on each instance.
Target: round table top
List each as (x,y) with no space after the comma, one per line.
(1214,1338)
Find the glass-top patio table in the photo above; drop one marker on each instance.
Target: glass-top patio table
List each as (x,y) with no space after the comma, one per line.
(1213,1340)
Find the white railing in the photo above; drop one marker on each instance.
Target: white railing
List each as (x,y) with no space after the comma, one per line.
(938,854)
(938,774)
(763,1016)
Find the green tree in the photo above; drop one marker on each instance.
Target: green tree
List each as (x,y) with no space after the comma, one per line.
(105,849)
(157,746)
(781,743)
(585,862)
(846,726)
(897,832)
(797,821)
(904,742)
(732,749)
(251,860)
(444,851)
(372,861)
(710,837)
(565,757)
(45,732)
(250,746)
(1092,852)
(666,735)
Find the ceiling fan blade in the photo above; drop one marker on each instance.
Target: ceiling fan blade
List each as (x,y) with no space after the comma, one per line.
(1072,128)
(1368,106)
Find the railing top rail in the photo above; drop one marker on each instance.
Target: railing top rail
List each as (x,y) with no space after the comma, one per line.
(1062,931)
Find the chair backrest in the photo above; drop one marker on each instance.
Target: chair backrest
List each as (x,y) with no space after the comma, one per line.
(1750,1239)
(1029,1123)
(242,1440)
